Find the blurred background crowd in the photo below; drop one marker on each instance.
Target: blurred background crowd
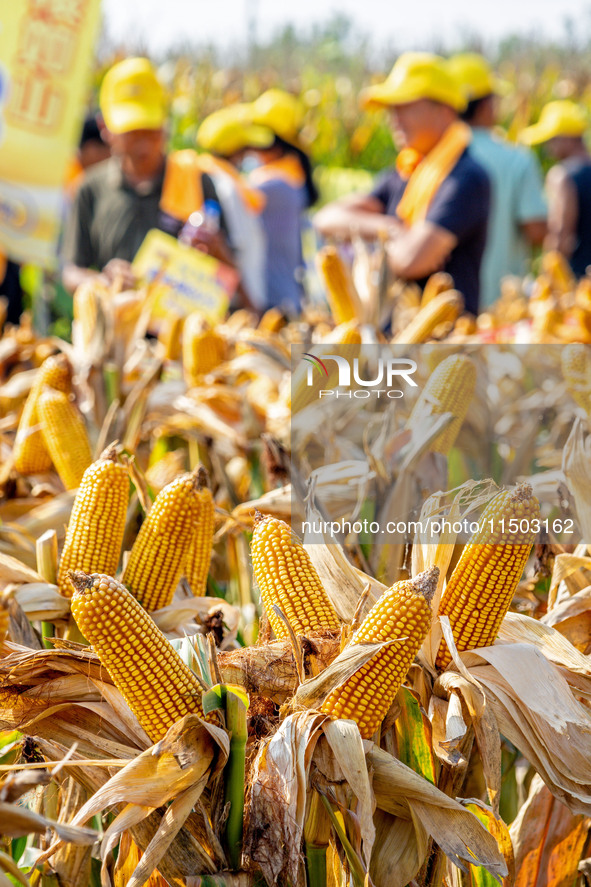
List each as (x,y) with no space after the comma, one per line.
(450,164)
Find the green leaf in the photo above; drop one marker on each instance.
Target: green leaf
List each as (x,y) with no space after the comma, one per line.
(413,734)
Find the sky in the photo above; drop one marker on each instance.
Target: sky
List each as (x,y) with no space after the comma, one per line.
(404,24)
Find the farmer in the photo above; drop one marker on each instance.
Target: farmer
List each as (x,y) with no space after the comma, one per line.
(560,130)
(124,197)
(518,211)
(284,177)
(433,207)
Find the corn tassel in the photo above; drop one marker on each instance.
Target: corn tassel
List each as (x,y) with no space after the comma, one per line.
(482,585)
(144,666)
(199,555)
(402,615)
(450,389)
(288,579)
(96,527)
(444,307)
(30,452)
(342,298)
(159,553)
(64,435)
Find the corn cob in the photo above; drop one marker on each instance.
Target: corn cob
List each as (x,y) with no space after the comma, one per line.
(342,298)
(86,306)
(440,282)
(484,580)
(170,336)
(576,370)
(199,555)
(445,306)
(402,615)
(558,270)
(159,553)
(153,679)
(449,390)
(64,435)
(30,452)
(287,578)
(95,531)
(272,320)
(344,334)
(203,348)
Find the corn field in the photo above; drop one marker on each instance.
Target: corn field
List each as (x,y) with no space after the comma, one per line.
(191,694)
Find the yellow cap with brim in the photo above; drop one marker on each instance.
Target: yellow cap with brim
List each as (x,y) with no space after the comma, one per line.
(560,118)
(132,97)
(227,131)
(281,112)
(415,76)
(475,76)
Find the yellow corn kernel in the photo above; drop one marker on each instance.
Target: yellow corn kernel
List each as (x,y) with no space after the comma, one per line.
(203,349)
(450,389)
(97,523)
(342,297)
(199,554)
(402,615)
(482,585)
(30,452)
(64,435)
(159,553)
(288,579)
(144,666)
(446,306)
(576,371)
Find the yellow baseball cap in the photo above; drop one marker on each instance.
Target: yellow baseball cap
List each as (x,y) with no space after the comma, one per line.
(281,112)
(416,75)
(229,130)
(132,97)
(475,76)
(560,118)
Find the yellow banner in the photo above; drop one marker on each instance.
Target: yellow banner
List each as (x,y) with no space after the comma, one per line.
(46,50)
(183,279)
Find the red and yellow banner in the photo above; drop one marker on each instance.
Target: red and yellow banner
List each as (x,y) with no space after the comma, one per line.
(46,51)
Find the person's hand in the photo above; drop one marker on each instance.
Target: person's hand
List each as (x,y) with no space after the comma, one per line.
(119,271)
(214,244)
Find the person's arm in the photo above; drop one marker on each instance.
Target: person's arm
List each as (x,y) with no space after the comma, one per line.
(357,214)
(531,209)
(563,211)
(420,250)
(534,231)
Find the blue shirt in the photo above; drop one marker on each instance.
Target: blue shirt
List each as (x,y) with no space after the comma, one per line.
(284,262)
(579,171)
(460,206)
(517,196)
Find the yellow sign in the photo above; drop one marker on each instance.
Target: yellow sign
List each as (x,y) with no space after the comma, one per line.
(185,279)
(46,47)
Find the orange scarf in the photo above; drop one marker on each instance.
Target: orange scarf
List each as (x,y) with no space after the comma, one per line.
(288,168)
(182,193)
(426,174)
(253,199)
